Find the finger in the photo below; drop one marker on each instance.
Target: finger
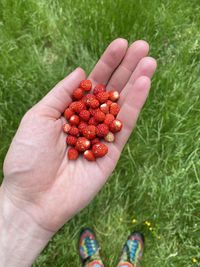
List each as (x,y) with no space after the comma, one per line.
(135,53)
(109,61)
(55,102)
(146,67)
(132,106)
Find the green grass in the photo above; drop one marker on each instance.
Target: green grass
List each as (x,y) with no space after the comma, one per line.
(157,178)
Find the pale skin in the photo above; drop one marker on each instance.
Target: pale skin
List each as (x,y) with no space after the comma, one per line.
(42,189)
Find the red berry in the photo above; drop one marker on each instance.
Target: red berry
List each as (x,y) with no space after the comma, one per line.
(88,98)
(109,137)
(74,131)
(99,150)
(99,116)
(109,102)
(84,115)
(113,95)
(81,126)
(95,141)
(92,121)
(66,127)
(115,126)
(86,85)
(68,113)
(88,154)
(114,109)
(93,111)
(102,130)
(78,93)
(104,108)
(99,88)
(77,106)
(94,103)
(74,120)
(102,97)
(91,115)
(89,132)
(71,140)
(82,144)
(72,105)
(108,119)
(72,154)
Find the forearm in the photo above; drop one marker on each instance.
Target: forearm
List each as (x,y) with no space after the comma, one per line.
(21,239)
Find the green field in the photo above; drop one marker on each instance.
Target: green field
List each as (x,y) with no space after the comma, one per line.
(157,178)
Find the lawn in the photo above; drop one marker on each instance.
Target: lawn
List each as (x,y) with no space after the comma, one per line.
(157,178)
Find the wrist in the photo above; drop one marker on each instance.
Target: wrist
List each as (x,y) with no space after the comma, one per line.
(21,238)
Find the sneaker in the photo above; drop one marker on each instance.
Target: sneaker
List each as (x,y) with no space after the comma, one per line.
(89,248)
(132,250)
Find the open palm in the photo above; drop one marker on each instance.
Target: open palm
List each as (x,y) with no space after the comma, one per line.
(38,176)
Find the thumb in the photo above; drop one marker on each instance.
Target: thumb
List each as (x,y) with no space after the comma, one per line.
(55,102)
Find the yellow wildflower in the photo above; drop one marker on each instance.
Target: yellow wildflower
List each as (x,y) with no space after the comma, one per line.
(147,223)
(194,260)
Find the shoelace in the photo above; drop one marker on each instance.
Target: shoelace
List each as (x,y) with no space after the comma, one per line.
(91,245)
(133,248)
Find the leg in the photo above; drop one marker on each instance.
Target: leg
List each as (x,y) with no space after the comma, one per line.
(89,249)
(132,251)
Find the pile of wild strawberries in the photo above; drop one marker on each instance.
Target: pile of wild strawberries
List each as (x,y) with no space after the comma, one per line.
(91,117)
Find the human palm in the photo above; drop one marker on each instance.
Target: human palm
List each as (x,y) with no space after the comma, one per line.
(39,178)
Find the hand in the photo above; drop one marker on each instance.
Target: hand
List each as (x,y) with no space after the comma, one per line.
(39,179)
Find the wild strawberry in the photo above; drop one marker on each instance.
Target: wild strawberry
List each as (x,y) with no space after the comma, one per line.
(102,97)
(68,113)
(95,141)
(74,131)
(105,108)
(82,144)
(108,119)
(114,109)
(88,98)
(113,95)
(72,154)
(99,150)
(109,102)
(115,126)
(91,115)
(84,115)
(94,103)
(78,93)
(81,126)
(66,127)
(99,88)
(102,130)
(71,140)
(86,85)
(72,105)
(93,111)
(89,132)
(99,116)
(88,154)
(92,121)
(109,137)
(74,120)
(77,106)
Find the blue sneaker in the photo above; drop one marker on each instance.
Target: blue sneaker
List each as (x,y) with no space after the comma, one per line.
(89,248)
(132,251)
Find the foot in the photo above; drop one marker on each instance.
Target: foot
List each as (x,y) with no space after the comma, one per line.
(132,251)
(89,249)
